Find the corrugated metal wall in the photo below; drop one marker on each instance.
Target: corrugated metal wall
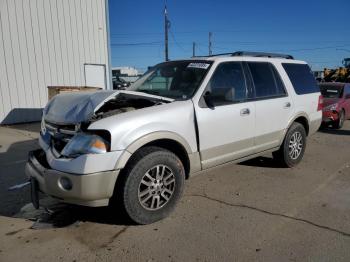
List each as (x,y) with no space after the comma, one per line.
(46,43)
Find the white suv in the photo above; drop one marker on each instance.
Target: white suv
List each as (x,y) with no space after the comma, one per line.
(138,146)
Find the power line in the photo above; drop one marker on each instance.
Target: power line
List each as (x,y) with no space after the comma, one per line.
(225,31)
(293,50)
(315,48)
(136,44)
(177,43)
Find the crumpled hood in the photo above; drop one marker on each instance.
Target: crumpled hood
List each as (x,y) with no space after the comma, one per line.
(72,108)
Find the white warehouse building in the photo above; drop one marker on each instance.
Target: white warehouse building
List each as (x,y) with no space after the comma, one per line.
(50,43)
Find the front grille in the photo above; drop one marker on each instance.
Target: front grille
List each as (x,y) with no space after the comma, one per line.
(40,156)
(60,134)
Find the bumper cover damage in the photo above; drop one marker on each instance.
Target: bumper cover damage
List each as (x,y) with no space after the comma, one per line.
(93,189)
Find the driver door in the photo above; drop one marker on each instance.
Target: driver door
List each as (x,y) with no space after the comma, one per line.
(226,129)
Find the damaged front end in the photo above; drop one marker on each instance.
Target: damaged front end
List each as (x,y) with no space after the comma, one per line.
(74,159)
(67,115)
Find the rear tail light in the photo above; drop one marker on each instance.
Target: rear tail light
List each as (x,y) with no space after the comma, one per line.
(320,103)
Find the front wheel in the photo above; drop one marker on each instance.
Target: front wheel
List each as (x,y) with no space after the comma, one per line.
(152,185)
(293,147)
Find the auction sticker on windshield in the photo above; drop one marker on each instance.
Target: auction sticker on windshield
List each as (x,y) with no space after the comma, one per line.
(198,65)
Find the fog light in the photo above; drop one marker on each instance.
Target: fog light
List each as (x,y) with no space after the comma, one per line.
(65,183)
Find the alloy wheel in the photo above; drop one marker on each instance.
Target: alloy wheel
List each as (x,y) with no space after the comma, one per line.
(295,145)
(156,187)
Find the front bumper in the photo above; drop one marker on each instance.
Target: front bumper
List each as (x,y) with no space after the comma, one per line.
(330,116)
(93,189)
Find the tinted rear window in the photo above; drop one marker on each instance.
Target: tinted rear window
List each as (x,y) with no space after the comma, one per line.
(266,80)
(329,91)
(302,78)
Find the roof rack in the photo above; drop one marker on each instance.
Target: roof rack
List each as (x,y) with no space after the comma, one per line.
(262,54)
(254,54)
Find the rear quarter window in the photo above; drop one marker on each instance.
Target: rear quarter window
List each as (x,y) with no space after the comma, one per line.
(302,78)
(266,80)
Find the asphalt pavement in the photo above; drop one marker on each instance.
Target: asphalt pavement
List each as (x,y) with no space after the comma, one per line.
(253,211)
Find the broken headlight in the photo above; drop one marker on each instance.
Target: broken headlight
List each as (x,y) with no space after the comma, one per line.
(81,144)
(332,107)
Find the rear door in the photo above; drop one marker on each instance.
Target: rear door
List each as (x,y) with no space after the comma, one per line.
(273,106)
(226,129)
(306,92)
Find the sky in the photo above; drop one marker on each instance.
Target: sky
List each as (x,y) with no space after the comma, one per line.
(315,31)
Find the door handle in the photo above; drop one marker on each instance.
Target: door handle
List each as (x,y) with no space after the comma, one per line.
(287,105)
(245,111)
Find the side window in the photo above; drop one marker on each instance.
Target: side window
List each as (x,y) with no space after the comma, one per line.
(266,79)
(227,84)
(302,78)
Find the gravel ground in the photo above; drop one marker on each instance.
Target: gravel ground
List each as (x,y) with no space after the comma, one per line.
(251,211)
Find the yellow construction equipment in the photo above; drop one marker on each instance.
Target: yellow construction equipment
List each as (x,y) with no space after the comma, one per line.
(341,74)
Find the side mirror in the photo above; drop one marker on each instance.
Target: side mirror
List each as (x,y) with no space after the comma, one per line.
(208,99)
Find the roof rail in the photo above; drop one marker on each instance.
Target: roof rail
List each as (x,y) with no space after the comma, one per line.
(222,54)
(262,54)
(254,54)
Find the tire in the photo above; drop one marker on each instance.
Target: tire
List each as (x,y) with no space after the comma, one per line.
(144,200)
(340,122)
(287,156)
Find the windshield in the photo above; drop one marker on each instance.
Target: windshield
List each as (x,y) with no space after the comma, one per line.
(331,91)
(178,80)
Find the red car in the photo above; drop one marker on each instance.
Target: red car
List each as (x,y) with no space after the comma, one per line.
(336,103)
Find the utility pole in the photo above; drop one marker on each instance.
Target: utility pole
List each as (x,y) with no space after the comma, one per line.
(194,49)
(166,27)
(210,45)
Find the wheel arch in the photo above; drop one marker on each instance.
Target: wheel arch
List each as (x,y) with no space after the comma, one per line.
(301,118)
(167,140)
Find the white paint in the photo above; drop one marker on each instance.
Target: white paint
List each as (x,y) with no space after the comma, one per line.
(95,75)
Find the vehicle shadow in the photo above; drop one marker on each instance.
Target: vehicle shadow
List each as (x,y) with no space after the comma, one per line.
(262,161)
(340,132)
(58,215)
(31,127)
(17,203)
(12,163)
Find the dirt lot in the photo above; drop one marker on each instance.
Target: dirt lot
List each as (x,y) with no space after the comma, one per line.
(252,211)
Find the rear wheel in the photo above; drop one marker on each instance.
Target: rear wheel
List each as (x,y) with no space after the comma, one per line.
(293,147)
(340,122)
(152,185)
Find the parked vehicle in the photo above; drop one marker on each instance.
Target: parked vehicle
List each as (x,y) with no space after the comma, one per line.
(340,74)
(336,99)
(138,146)
(120,84)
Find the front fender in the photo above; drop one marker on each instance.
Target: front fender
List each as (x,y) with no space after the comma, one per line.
(154,136)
